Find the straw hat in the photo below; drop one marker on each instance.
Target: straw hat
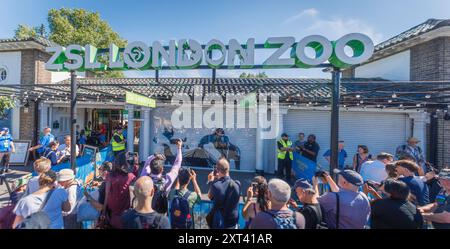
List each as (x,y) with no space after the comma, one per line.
(65,175)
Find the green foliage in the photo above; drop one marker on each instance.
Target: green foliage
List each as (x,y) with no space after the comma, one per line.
(6,103)
(79,26)
(260,75)
(24,31)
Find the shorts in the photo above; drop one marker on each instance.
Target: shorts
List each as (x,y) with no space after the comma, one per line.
(4,158)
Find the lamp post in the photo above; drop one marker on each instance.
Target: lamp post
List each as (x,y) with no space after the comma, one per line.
(73,120)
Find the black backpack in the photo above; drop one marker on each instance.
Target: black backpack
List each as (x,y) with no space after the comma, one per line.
(180,213)
(38,220)
(160,200)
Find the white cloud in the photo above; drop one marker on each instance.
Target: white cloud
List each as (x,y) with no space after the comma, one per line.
(337,27)
(305,13)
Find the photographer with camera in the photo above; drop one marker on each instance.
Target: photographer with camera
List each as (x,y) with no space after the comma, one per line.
(345,207)
(154,168)
(307,194)
(182,200)
(257,199)
(224,192)
(117,194)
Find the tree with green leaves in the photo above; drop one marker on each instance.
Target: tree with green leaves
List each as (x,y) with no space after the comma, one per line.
(6,103)
(260,75)
(77,26)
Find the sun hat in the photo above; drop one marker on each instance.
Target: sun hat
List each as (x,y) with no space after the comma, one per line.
(65,175)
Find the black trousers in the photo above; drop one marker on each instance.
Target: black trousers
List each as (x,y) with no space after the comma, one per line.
(284,168)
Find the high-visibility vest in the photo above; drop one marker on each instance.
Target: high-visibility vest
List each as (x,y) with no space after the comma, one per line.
(115,145)
(282,154)
(87,131)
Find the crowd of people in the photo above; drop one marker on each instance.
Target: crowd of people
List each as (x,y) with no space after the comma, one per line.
(399,191)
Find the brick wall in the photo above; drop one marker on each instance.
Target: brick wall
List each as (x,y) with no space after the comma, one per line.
(443,141)
(431,61)
(32,71)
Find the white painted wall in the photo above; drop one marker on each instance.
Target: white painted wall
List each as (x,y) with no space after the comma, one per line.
(243,138)
(59,76)
(62,115)
(11,61)
(394,67)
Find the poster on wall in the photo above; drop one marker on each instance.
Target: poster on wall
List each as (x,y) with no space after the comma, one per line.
(202,147)
(20,158)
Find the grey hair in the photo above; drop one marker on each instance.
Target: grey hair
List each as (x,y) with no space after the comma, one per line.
(280,190)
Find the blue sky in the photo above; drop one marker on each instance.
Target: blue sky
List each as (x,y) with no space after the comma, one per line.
(241,19)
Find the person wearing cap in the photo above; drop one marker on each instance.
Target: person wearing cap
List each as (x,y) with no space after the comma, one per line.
(342,155)
(40,166)
(285,157)
(57,202)
(6,148)
(354,206)
(46,138)
(307,194)
(66,179)
(413,150)
(407,170)
(439,212)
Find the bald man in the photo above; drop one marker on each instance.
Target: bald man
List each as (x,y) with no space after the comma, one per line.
(143,216)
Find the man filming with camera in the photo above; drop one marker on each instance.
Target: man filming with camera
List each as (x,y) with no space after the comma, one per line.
(345,207)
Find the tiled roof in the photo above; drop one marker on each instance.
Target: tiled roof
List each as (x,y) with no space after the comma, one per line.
(427,26)
(40,40)
(316,92)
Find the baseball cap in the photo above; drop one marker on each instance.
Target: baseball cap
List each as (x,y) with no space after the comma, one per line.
(350,176)
(444,174)
(5,129)
(284,135)
(302,183)
(413,139)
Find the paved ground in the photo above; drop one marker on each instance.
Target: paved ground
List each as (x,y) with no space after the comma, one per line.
(15,173)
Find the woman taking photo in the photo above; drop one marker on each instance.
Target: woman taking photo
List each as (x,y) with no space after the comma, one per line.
(56,202)
(257,200)
(361,157)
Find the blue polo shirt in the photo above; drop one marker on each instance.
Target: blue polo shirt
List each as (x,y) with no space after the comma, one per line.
(44,141)
(418,188)
(341,157)
(5,143)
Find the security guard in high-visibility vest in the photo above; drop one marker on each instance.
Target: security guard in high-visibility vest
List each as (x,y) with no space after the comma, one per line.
(285,157)
(118,142)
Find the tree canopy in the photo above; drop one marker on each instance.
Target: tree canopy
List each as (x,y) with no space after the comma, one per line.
(76,26)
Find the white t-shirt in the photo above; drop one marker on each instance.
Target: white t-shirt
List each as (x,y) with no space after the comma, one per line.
(374,171)
(63,150)
(72,193)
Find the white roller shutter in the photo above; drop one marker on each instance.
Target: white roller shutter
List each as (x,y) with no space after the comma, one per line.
(381,132)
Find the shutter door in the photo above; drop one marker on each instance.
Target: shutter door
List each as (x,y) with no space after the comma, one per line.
(381,132)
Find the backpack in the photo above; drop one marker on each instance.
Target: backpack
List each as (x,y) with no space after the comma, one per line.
(289,222)
(180,213)
(160,201)
(142,224)
(38,220)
